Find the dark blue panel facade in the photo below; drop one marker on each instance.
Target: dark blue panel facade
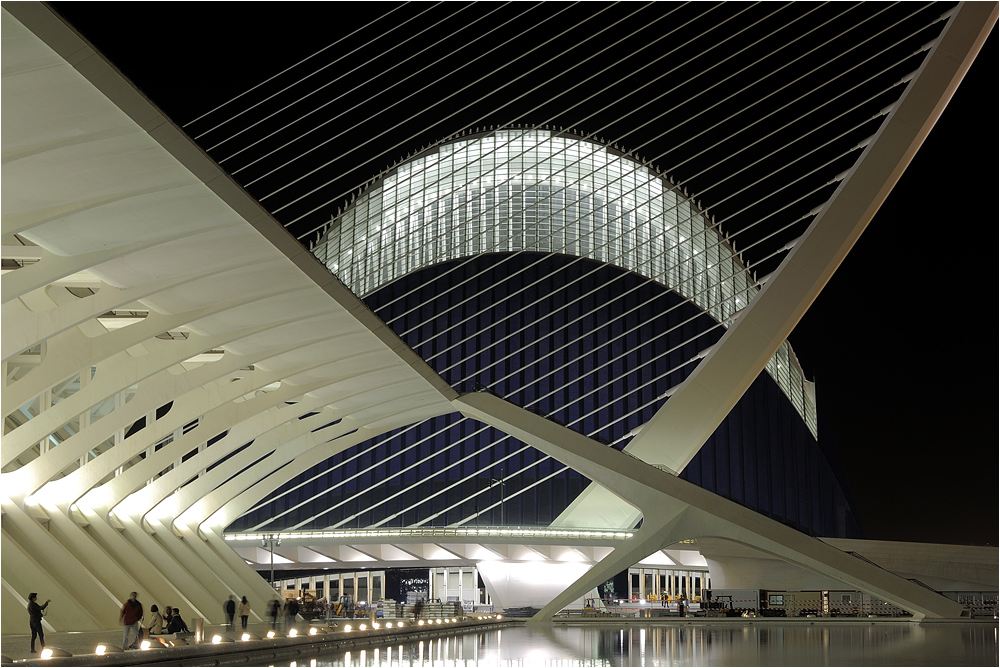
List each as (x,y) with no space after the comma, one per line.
(590,346)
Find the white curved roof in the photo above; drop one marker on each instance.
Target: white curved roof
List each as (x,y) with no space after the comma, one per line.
(148,290)
(539,190)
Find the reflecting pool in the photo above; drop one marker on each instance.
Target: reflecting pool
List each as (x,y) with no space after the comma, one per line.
(717,644)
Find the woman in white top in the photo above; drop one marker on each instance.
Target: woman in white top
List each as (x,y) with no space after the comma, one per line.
(244,611)
(156,621)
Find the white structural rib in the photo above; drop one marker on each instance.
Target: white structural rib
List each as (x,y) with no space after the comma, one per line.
(675,510)
(127,450)
(679,429)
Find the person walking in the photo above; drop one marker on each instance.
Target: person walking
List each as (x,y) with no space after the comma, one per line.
(35,613)
(275,611)
(244,612)
(230,612)
(130,617)
(291,613)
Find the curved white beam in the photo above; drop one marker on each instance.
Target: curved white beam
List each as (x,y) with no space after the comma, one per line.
(694,411)
(118,197)
(674,509)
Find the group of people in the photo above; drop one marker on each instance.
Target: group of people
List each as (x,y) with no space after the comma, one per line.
(132,615)
(244,610)
(290,611)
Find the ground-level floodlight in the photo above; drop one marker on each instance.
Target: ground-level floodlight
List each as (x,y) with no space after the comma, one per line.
(55,653)
(107,648)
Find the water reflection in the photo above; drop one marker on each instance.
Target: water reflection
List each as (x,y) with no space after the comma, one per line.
(771,644)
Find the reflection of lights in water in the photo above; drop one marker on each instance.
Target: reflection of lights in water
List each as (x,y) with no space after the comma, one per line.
(363,659)
(537,657)
(312,663)
(657,645)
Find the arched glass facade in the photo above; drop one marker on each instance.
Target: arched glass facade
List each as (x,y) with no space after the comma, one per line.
(578,284)
(513,191)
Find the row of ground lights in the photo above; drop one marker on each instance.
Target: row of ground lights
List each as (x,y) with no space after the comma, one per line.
(101,650)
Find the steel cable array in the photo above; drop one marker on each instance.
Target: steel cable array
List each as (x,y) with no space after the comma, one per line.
(738,165)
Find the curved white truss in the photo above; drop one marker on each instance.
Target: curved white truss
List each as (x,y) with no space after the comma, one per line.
(171,354)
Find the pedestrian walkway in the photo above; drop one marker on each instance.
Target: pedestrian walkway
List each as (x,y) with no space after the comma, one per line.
(330,634)
(17,647)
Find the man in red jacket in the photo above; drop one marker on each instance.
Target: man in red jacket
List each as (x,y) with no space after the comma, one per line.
(130,618)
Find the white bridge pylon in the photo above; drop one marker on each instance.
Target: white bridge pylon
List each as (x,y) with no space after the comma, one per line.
(674,510)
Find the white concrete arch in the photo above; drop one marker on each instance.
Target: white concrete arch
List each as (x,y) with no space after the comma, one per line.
(115,197)
(118,200)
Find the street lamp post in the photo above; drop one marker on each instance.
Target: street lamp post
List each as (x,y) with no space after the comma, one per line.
(271,539)
(499,481)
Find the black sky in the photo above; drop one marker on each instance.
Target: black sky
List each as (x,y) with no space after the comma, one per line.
(894,341)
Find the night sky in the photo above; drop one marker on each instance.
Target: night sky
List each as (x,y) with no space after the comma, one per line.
(903,379)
